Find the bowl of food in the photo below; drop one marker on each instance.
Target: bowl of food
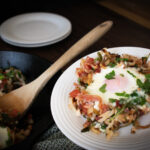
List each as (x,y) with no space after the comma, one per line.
(17,69)
(104,100)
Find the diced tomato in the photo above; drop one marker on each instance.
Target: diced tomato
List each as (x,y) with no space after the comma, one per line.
(91,98)
(4,81)
(118,104)
(89,60)
(104,108)
(98,69)
(74,93)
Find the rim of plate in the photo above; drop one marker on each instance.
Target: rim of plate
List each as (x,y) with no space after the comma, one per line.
(71,125)
(60,28)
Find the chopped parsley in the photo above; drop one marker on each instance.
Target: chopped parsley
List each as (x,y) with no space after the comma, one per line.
(103,126)
(144,85)
(131,74)
(134,94)
(103,88)
(139,83)
(118,59)
(1,76)
(112,64)
(123,94)
(122,75)
(110,75)
(99,56)
(137,101)
(79,80)
(112,100)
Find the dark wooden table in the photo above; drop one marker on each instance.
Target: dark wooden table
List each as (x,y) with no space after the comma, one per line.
(84,15)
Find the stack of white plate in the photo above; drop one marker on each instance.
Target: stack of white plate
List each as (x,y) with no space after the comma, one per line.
(35,29)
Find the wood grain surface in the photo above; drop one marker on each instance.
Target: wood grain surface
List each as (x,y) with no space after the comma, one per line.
(84,15)
(135,10)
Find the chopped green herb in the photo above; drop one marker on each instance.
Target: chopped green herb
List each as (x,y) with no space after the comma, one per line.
(121,59)
(147,76)
(112,100)
(78,80)
(10,74)
(134,94)
(138,101)
(110,75)
(144,59)
(103,88)
(103,126)
(125,59)
(99,56)
(119,111)
(122,101)
(123,94)
(86,85)
(19,74)
(121,74)
(112,64)
(131,74)
(1,76)
(147,86)
(139,83)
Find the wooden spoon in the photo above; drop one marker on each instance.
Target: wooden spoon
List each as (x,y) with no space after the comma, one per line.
(21,98)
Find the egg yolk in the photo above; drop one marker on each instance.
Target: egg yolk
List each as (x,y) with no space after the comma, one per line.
(118,84)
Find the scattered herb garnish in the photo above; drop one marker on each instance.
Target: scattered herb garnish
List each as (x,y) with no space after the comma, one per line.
(119,111)
(134,94)
(139,83)
(131,74)
(103,126)
(110,75)
(112,64)
(79,80)
(1,76)
(112,100)
(138,101)
(123,94)
(10,74)
(99,56)
(103,88)
(121,74)
(146,85)
(118,59)
(147,76)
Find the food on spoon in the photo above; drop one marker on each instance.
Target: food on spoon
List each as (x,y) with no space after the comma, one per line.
(112,91)
(12,130)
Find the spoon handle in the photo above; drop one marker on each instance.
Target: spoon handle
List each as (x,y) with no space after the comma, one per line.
(86,41)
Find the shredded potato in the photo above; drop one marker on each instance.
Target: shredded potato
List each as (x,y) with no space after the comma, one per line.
(103,117)
(11,79)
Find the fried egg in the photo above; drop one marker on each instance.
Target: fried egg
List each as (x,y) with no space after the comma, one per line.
(124,80)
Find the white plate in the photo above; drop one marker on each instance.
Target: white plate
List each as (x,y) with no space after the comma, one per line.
(35,29)
(71,125)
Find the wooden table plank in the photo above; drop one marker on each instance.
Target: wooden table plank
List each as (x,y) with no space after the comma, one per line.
(135,10)
(85,15)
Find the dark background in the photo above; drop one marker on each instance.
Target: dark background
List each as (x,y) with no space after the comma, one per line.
(10,8)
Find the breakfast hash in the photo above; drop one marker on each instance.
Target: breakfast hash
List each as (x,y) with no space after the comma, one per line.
(112,91)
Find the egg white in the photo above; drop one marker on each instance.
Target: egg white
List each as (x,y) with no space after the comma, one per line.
(99,81)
